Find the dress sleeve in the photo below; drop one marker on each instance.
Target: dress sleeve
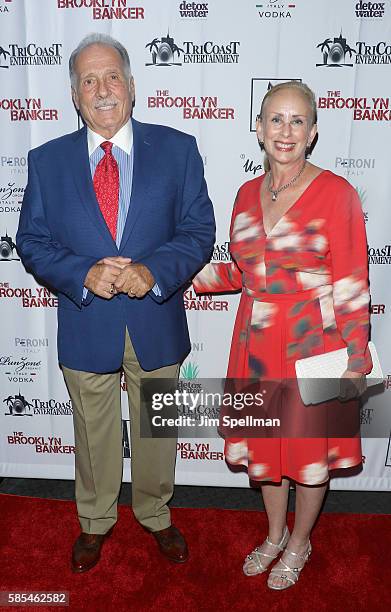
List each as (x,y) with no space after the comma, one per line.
(220,277)
(349,269)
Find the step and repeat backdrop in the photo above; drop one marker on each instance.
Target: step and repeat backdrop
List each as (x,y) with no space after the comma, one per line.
(201,67)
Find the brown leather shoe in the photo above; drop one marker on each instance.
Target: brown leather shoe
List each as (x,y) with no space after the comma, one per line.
(86,551)
(172,544)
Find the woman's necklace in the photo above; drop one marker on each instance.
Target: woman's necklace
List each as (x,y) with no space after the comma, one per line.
(275,192)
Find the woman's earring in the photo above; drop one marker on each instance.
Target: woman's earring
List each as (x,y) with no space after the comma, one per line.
(261,144)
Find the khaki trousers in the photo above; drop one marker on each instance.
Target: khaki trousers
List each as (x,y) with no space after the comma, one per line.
(96,400)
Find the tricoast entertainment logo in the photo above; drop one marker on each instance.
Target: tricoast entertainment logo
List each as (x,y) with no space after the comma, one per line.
(106,9)
(192,107)
(7,249)
(19,406)
(379,255)
(337,52)
(164,51)
(31,54)
(221,252)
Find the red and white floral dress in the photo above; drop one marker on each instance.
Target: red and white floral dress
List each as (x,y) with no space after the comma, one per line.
(304,292)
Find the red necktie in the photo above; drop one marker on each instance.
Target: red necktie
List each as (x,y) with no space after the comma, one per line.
(106,185)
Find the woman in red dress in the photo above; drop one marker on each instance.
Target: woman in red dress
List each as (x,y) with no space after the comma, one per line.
(299,252)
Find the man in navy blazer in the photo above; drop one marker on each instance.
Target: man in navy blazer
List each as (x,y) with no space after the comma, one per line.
(120,296)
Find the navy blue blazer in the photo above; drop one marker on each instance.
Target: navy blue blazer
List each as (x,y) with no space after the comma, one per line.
(170,228)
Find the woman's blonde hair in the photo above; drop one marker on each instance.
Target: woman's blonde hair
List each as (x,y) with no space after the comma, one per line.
(306,92)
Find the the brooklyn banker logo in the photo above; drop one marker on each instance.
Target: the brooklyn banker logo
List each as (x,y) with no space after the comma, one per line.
(38,297)
(28,109)
(18,405)
(105,9)
(337,52)
(31,54)
(164,51)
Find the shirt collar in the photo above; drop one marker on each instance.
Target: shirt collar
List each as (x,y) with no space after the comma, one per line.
(122,139)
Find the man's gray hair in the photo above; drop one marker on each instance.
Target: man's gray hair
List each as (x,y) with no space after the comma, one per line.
(98,39)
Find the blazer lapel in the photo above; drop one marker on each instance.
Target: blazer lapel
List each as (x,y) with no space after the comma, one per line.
(142,164)
(81,172)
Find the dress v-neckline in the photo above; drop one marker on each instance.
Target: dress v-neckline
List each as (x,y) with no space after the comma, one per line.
(290,208)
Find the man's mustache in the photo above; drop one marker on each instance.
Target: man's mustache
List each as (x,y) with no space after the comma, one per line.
(106,103)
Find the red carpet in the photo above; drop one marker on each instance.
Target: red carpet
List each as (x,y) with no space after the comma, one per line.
(350,568)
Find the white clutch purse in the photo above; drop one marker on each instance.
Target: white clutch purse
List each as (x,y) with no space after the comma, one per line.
(318,376)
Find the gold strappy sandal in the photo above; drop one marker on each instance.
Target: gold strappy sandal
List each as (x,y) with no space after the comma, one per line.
(254,559)
(289,574)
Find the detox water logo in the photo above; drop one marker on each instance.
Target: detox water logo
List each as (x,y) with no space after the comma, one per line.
(369,10)
(193,10)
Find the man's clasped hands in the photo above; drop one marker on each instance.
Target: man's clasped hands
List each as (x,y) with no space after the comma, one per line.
(113,275)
